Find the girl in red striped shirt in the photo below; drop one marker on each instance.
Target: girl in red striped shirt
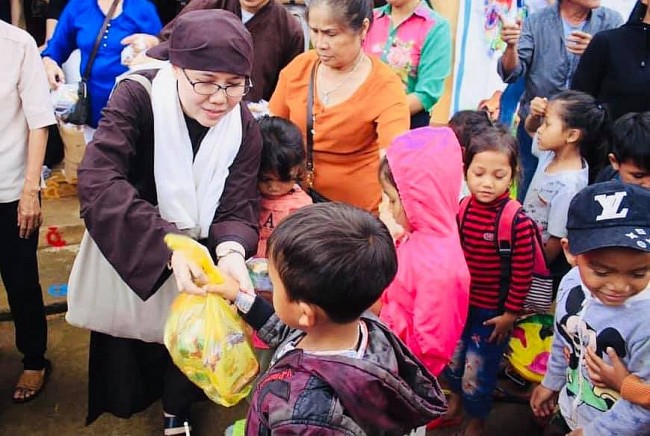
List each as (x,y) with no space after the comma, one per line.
(491,166)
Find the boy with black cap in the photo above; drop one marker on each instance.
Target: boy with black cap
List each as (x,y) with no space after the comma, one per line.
(602,303)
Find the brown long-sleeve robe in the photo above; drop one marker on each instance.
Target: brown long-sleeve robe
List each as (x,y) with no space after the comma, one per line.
(117,191)
(277,39)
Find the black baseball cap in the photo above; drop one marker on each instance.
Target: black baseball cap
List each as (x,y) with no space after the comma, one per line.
(609,214)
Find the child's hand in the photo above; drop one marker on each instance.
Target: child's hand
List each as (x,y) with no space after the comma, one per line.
(543,401)
(228,289)
(604,375)
(502,326)
(576,432)
(538,107)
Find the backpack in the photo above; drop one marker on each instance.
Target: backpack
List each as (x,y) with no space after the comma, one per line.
(540,295)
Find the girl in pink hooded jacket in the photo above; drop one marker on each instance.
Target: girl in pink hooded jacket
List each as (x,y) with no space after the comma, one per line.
(426,304)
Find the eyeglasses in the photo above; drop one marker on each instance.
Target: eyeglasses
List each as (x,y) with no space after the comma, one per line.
(210,88)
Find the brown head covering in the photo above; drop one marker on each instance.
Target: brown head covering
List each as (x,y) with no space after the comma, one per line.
(208,40)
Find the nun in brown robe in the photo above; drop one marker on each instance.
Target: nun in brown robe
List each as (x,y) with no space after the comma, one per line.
(127,196)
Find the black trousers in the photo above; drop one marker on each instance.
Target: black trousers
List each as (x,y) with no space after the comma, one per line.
(19,273)
(125,376)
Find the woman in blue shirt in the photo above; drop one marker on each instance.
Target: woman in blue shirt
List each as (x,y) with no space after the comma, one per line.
(78,27)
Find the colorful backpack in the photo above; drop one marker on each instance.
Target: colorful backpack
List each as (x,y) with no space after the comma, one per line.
(540,295)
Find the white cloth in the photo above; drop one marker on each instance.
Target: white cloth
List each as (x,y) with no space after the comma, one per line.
(189,202)
(99,300)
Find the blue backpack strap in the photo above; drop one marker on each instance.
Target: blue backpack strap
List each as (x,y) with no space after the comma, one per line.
(505,238)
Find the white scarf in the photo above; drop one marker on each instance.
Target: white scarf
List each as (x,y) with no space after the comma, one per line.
(189,202)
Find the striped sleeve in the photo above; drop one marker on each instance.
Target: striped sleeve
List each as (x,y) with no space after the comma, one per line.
(522,263)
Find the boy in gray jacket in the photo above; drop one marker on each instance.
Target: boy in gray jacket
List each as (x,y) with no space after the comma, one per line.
(602,303)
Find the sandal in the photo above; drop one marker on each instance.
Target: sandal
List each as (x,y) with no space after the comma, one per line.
(31,383)
(176,425)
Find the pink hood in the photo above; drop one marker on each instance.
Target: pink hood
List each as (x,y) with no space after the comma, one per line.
(426,305)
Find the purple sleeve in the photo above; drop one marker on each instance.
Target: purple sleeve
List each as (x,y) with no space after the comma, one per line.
(127,228)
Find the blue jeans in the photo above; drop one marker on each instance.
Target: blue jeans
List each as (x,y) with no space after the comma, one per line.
(528,161)
(472,372)
(510,101)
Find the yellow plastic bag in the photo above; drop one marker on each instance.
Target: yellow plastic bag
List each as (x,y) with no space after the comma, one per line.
(206,338)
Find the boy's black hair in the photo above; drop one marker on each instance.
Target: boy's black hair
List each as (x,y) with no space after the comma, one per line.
(468,124)
(335,256)
(282,148)
(631,139)
(581,111)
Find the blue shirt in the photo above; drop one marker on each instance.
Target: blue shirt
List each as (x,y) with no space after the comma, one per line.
(573,59)
(78,27)
(543,58)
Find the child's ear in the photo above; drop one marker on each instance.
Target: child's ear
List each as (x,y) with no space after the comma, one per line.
(307,316)
(565,247)
(573,135)
(613,161)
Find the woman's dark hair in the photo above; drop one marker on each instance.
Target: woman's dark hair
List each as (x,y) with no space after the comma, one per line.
(282,148)
(351,13)
(631,139)
(498,139)
(335,256)
(386,174)
(581,111)
(467,124)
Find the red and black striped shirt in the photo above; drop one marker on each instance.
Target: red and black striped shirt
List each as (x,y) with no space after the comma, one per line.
(478,236)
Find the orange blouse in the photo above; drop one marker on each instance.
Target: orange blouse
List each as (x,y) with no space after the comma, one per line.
(347,135)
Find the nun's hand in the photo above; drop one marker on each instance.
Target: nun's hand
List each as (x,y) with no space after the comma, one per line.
(189,276)
(231,261)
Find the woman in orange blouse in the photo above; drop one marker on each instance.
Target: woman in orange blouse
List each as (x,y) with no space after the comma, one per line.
(359,103)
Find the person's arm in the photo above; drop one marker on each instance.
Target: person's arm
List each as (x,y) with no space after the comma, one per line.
(37,108)
(544,397)
(149,26)
(552,249)
(636,391)
(518,56)
(127,228)
(60,46)
(255,310)
(536,116)
(29,206)
(522,264)
(616,376)
(54,10)
(557,218)
(278,105)
(394,118)
(17,13)
(625,417)
(434,67)
(593,67)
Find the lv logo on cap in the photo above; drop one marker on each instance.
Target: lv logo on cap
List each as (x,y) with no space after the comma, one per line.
(610,204)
